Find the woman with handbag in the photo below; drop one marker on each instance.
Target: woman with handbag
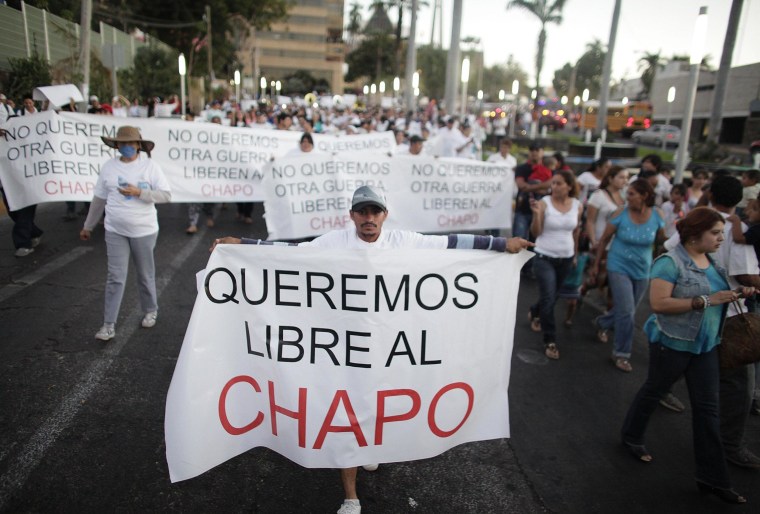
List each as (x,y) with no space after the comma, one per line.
(689,295)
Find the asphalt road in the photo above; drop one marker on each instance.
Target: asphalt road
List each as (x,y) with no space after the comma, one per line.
(81,422)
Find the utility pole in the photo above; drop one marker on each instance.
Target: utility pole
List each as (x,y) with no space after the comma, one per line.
(411,59)
(84,50)
(601,117)
(208,41)
(452,64)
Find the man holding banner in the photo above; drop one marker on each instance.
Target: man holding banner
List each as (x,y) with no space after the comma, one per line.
(368,213)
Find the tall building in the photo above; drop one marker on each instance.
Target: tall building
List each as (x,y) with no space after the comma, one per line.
(310,39)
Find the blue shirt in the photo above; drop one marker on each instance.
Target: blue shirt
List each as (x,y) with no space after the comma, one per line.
(631,249)
(707,337)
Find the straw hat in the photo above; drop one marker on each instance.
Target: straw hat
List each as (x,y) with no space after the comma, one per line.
(127,134)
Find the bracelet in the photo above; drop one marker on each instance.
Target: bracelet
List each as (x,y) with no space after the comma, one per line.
(707,301)
(697,303)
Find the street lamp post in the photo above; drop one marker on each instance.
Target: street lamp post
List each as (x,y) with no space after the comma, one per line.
(396,86)
(263,84)
(671,97)
(416,86)
(182,72)
(465,79)
(278,87)
(584,97)
(513,108)
(697,51)
(237,86)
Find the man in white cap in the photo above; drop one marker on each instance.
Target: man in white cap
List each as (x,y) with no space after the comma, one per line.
(5,111)
(369,210)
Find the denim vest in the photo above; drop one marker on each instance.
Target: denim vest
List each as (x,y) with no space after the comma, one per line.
(692,281)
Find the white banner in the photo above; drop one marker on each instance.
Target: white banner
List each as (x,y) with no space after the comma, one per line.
(338,358)
(53,157)
(308,196)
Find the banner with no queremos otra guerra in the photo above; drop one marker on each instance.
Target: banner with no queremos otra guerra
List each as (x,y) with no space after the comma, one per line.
(51,157)
(338,358)
(308,196)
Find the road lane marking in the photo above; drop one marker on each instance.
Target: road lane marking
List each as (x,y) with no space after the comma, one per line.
(35,276)
(34,450)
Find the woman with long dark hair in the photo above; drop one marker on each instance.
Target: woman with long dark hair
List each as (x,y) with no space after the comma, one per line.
(689,294)
(635,228)
(556,222)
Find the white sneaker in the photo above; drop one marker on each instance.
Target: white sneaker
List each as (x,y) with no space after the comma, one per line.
(106,332)
(371,467)
(23,252)
(149,320)
(350,507)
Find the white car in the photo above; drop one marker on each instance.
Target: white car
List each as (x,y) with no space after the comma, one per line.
(655,134)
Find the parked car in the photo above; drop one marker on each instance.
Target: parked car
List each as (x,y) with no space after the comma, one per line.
(655,134)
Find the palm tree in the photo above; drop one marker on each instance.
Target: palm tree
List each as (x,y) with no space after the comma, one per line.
(354,23)
(649,64)
(546,12)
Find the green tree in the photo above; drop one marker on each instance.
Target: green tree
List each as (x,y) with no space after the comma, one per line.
(178,22)
(649,64)
(154,74)
(588,72)
(431,62)
(547,12)
(354,26)
(372,58)
(499,76)
(26,74)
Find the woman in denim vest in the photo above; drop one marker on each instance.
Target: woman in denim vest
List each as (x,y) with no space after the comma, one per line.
(689,295)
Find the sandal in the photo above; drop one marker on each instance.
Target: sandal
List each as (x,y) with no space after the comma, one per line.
(639,451)
(602,335)
(622,364)
(551,351)
(535,322)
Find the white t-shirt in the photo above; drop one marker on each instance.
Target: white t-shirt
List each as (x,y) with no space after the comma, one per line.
(671,217)
(347,238)
(130,216)
(735,258)
(605,206)
(589,183)
(509,161)
(556,239)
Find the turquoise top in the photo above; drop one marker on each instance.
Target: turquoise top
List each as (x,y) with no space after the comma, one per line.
(708,336)
(631,250)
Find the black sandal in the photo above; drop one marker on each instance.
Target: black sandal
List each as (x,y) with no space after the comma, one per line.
(639,451)
(726,495)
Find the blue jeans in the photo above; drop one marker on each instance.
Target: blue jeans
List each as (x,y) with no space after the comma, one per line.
(521,225)
(119,248)
(550,273)
(626,296)
(701,372)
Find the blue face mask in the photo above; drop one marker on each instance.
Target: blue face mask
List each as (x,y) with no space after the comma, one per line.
(127,151)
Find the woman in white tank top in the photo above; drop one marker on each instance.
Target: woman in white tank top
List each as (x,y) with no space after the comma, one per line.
(556,226)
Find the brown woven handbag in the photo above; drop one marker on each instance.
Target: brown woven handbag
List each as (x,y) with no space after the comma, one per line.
(740,343)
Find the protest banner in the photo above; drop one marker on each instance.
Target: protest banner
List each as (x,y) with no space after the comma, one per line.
(308,196)
(53,157)
(338,358)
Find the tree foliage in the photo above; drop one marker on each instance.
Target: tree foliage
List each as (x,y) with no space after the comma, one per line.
(546,11)
(26,74)
(649,64)
(588,72)
(154,74)
(499,76)
(431,62)
(372,58)
(178,22)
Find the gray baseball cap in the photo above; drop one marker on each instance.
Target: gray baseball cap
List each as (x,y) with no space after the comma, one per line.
(368,195)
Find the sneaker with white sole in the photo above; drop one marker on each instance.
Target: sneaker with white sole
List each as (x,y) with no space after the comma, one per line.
(371,467)
(350,507)
(744,458)
(106,332)
(23,252)
(669,401)
(149,320)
